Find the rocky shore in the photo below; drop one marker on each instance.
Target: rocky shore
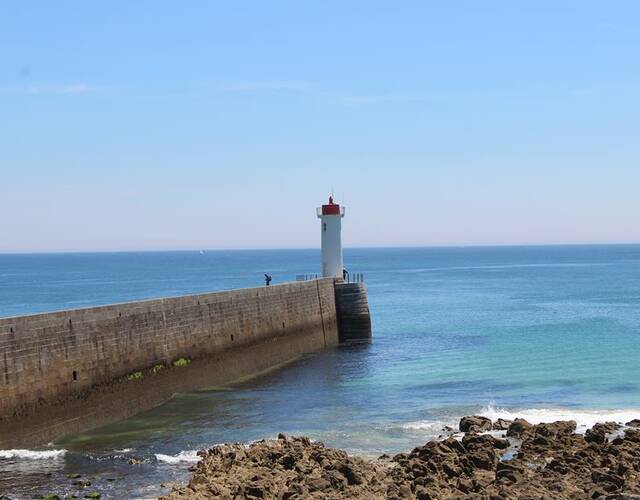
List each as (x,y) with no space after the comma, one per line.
(485,460)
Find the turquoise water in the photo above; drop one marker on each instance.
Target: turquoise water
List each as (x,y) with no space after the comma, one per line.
(544,332)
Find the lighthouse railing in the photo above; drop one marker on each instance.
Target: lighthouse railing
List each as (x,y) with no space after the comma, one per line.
(355,278)
(349,278)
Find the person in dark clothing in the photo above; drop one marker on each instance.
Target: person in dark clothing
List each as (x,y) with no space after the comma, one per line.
(267,279)
(345,274)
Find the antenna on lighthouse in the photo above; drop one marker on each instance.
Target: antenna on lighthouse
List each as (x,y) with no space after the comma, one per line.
(330,216)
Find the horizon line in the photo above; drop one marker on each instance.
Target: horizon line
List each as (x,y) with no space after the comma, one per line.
(276,249)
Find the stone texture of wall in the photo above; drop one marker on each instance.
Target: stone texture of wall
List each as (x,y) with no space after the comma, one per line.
(67,371)
(352,306)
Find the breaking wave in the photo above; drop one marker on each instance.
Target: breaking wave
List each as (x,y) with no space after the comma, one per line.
(432,426)
(33,454)
(190,456)
(585,419)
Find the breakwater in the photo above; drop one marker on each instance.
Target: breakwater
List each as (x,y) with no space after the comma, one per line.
(69,371)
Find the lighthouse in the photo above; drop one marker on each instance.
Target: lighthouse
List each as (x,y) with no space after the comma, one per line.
(330,216)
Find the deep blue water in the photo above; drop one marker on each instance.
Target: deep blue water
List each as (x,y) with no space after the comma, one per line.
(544,332)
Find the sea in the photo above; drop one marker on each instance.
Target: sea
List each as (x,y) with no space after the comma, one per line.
(541,332)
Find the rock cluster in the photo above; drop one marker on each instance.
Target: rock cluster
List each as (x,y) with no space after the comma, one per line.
(544,461)
(286,468)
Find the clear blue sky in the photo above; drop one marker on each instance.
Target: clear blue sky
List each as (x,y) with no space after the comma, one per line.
(170,125)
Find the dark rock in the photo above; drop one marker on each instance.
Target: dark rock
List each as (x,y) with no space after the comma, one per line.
(501,424)
(509,472)
(475,424)
(353,477)
(471,441)
(288,462)
(254,491)
(318,484)
(464,485)
(518,427)
(453,445)
(554,429)
(632,434)
(483,459)
(599,432)
(404,491)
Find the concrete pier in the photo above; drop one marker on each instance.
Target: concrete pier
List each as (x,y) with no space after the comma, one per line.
(69,371)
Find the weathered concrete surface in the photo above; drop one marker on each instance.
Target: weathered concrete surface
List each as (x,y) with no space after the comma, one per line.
(65,372)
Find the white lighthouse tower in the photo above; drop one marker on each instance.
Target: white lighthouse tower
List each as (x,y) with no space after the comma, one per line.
(330,216)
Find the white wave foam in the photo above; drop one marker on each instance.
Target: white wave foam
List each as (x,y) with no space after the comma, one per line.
(32,454)
(190,456)
(432,427)
(585,419)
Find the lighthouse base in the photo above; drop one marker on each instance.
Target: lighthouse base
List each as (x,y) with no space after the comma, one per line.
(352,311)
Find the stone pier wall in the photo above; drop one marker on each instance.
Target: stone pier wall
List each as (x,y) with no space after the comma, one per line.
(68,371)
(352,306)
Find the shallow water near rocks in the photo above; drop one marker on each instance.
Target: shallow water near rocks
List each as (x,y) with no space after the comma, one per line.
(545,333)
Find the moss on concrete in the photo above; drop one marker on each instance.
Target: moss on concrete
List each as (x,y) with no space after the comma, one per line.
(135,376)
(181,362)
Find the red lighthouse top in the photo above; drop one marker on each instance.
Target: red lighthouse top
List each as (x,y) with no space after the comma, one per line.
(331,208)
